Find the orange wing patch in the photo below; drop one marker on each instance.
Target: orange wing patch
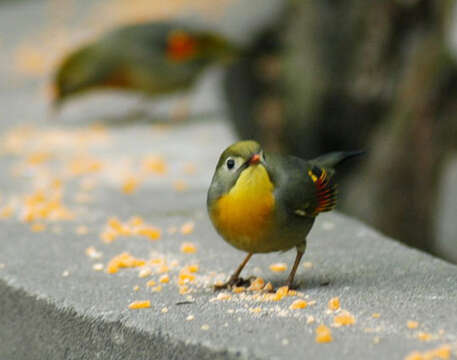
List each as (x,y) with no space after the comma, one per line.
(180,46)
(325,190)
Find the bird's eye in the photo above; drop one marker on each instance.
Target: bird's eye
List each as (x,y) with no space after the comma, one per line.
(230,163)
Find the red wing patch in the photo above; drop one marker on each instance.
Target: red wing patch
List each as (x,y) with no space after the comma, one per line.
(180,46)
(325,190)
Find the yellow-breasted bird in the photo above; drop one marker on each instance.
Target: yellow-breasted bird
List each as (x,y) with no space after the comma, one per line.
(152,58)
(261,202)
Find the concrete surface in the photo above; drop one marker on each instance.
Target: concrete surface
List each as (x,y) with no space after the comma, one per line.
(54,305)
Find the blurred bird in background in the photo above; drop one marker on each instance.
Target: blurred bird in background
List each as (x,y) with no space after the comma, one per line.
(153,58)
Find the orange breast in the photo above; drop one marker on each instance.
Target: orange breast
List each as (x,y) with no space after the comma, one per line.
(243,216)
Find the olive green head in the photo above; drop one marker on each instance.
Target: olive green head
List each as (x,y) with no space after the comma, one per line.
(232,162)
(79,71)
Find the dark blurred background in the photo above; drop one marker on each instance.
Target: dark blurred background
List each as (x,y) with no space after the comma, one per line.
(307,77)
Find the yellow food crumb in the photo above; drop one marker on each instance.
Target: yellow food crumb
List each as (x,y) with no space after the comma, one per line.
(298,304)
(184,289)
(150,283)
(257,284)
(334,304)
(193,268)
(164,310)
(98,267)
(205,327)
(442,352)
(93,253)
(187,228)
(278,267)
(180,185)
(310,319)
(376,315)
(157,288)
(238,289)
(150,232)
(141,304)
(188,248)
(136,288)
(255,310)
(37,227)
(268,287)
(82,230)
(154,164)
(223,296)
(190,317)
(136,221)
(412,324)
(118,227)
(164,279)
(323,334)
(144,272)
(130,185)
(344,318)
(307,265)
(423,336)
(6,211)
(124,260)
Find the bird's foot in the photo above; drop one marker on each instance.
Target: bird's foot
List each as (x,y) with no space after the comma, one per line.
(232,282)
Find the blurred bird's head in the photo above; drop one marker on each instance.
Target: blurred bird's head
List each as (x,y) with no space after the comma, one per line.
(183,46)
(79,71)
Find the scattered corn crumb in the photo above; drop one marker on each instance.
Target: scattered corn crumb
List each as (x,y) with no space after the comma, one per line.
(93,253)
(141,304)
(82,230)
(310,319)
(323,334)
(334,304)
(255,310)
(130,184)
(136,288)
(278,267)
(124,260)
(98,267)
(238,289)
(65,273)
(144,272)
(187,228)
(442,352)
(180,185)
(188,248)
(423,336)
(151,232)
(344,318)
(190,317)
(376,315)
(164,310)
(307,265)
(38,227)
(298,304)
(157,288)
(205,327)
(184,289)
(151,283)
(164,279)
(223,296)
(412,324)
(257,284)
(154,164)
(193,268)
(268,287)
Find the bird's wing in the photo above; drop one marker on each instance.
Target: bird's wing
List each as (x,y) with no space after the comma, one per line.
(304,188)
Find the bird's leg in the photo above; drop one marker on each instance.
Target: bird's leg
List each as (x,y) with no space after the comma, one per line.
(300,252)
(235,276)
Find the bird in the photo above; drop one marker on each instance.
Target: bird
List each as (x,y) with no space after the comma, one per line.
(260,202)
(153,58)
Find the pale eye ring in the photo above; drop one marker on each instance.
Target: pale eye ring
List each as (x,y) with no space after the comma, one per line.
(230,163)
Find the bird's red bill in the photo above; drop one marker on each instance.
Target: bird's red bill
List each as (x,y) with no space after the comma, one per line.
(255,159)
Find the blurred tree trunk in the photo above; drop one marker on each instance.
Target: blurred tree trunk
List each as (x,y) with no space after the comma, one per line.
(360,74)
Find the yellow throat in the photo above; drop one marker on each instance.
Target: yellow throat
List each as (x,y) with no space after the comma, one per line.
(243,214)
